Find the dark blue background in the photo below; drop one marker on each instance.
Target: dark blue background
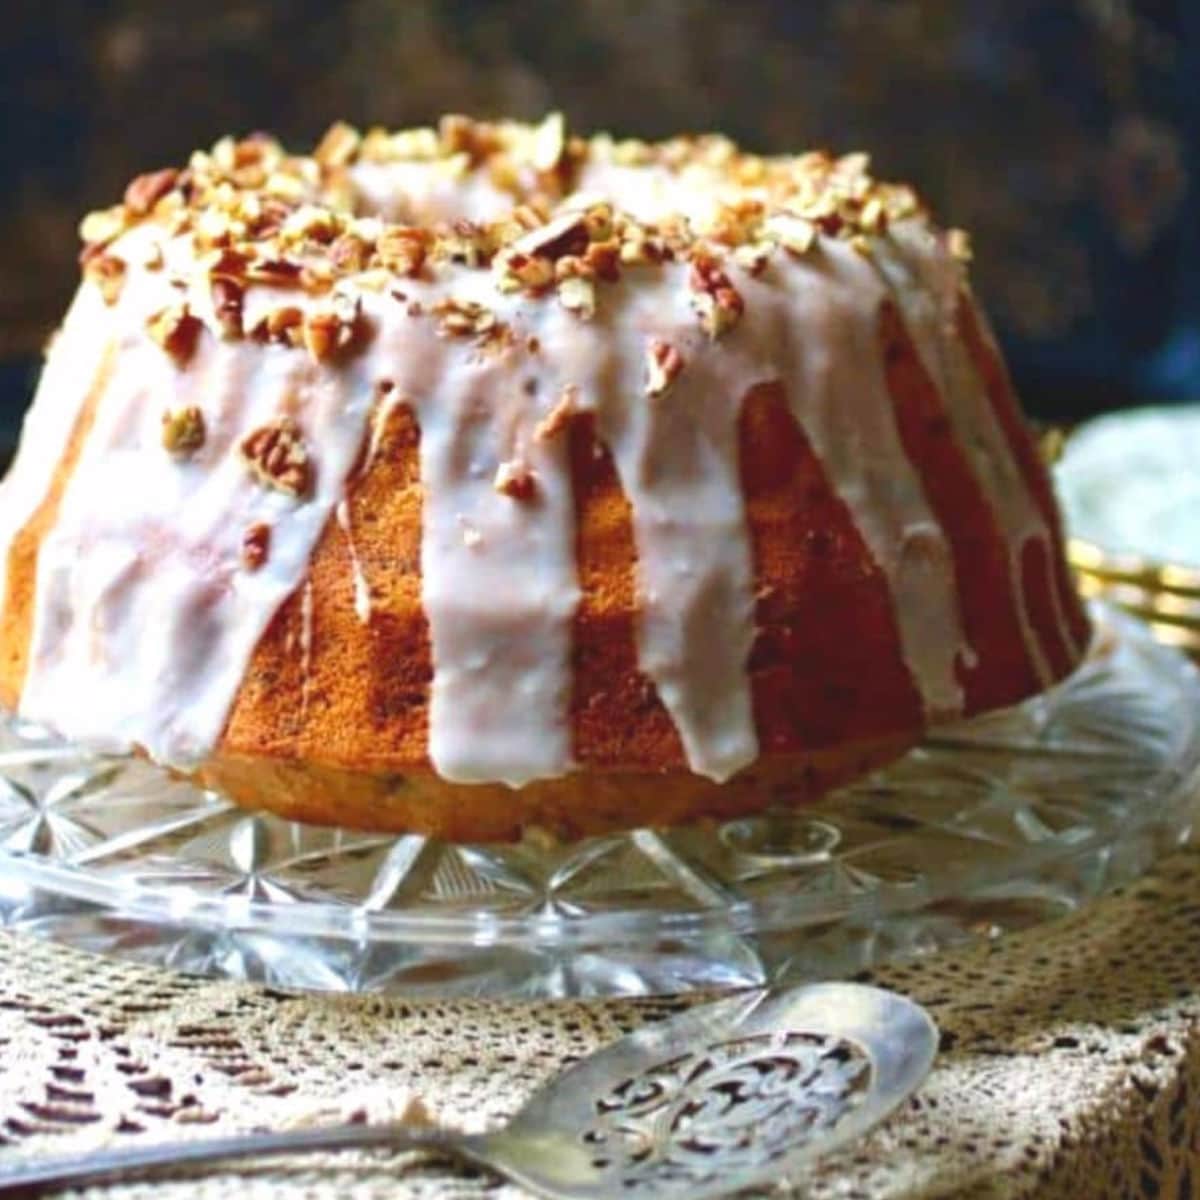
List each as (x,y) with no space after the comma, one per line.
(1064,133)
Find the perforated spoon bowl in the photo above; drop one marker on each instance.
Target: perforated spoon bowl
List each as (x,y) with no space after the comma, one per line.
(720,1098)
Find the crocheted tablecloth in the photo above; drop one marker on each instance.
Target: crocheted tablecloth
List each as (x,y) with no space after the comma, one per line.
(1069,1066)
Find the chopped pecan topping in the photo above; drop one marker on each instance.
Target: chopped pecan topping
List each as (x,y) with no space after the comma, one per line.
(639,247)
(516,271)
(316,277)
(101,227)
(213,229)
(559,417)
(753,256)
(459,135)
(339,146)
(228,297)
(290,221)
(717,302)
(276,272)
(284,325)
(333,329)
(277,457)
(873,218)
(464,242)
(311,221)
(515,480)
(462,318)
(549,143)
(796,235)
(601,226)
(154,259)
(565,234)
(176,330)
(183,429)
(145,191)
(632,152)
(402,249)
(107,272)
(229,264)
(603,259)
(256,545)
(577,294)
(663,364)
(350,253)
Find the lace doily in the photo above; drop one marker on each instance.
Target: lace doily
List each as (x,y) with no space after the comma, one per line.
(1069,1067)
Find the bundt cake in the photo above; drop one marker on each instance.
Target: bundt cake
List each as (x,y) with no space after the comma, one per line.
(470,479)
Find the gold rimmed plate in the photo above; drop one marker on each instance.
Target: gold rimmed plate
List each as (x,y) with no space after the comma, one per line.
(1170,578)
(1130,485)
(1130,489)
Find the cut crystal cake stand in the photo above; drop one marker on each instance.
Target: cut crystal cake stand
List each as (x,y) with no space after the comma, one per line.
(991,825)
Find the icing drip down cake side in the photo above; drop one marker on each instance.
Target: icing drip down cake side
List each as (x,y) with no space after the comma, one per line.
(469,479)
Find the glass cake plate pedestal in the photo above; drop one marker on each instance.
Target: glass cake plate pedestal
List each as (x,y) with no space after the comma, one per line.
(988,826)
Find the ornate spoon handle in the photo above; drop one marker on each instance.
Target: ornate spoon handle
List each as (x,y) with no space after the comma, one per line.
(127,1160)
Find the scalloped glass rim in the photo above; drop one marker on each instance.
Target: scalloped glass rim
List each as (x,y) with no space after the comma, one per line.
(1120,741)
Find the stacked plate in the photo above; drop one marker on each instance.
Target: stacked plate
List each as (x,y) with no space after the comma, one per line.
(1130,488)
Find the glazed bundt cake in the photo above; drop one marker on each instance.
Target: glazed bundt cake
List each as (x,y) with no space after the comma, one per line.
(469,479)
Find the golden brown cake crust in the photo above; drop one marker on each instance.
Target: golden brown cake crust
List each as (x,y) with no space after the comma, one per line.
(581,805)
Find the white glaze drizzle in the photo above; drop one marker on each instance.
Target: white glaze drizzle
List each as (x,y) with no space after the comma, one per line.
(927,286)
(141,597)
(1054,582)
(677,459)
(826,321)
(840,400)
(362,593)
(73,369)
(500,604)
(380,417)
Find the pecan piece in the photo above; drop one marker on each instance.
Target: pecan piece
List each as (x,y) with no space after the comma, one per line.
(284,325)
(464,242)
(144,192)
(333,329)
(515,271)
(350,253)
(461,318)
(663,364)
(107,272)
(402,250)
(339,146)
(102,226)
(183,430)
(227,297)
(176,330)
(277,457)
(565,234)
(577,294)
(549,143)
(716,301)
(559,417)
(256,545)
(515,480)
(277,272)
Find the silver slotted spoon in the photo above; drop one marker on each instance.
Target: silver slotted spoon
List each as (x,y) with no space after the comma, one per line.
(717,1099)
